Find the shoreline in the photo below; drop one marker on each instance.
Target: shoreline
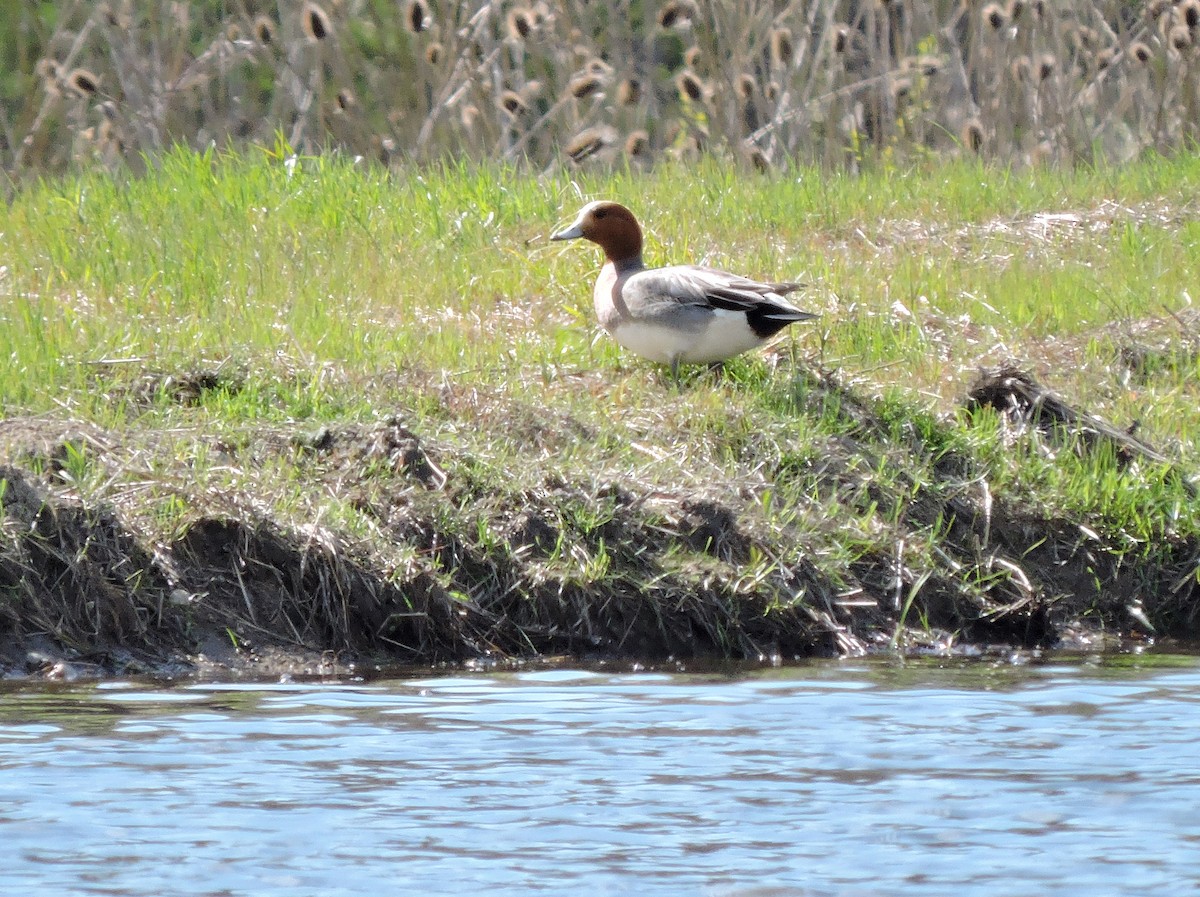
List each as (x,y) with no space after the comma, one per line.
(238,592)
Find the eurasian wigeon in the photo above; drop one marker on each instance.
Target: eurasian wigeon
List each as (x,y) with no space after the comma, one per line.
(682,313)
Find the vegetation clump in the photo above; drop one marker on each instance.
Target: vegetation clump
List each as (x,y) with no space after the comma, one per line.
(843,84)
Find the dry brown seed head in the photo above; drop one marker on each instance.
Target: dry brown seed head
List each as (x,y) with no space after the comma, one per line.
(584,85)
(756,157)
(1189,11)
(691,57)
(994,16)
(520,23)
(629,92)
(1156,8)
(972,135)
(83,82)
(928,65)
(1015,9)
(586,143)
(433,53)
(637,143)
(233,32)
(512,103)
(782,48)
(598,67)
(1180,37)
(1046,66)
(345,98)
(690,86)
(746,86)
(1108,56)
(264,30)
(468,116)
(1140,52)
(315,22)
(676,13)
(841,38)
(531,91)
(417,18)
(772,90)
(47,69)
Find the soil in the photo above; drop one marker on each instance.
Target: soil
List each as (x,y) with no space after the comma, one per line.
(85,592)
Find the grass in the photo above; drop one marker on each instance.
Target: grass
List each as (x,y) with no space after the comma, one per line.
(399,372)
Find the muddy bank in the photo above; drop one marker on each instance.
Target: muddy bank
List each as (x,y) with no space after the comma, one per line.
(588,566)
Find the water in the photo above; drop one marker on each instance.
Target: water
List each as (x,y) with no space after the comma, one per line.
(847,779)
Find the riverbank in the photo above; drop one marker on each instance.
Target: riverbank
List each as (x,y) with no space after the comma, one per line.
(268,415)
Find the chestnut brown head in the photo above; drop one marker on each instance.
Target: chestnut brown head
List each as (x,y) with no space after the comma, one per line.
(610,226)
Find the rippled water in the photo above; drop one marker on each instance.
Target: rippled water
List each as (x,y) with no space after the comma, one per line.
(851,778)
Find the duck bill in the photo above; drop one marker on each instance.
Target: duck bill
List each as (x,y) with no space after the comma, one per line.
(574,232)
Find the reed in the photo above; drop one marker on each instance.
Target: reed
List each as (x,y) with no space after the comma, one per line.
(846,83)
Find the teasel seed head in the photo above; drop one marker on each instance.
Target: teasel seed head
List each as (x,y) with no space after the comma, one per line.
(1015,9)
(637,144)
(1189,11)
(416,17)
(841,38)
(83,82)
(346,99)
(690,86)
(233,32)
(972,135)
(1180,37)
(629,92)
(264,31)
(1140,51)
(586,143)
(691,57)
(994,16)
(1108,56)
(315,22)
(758,159)
(584,85)
(468,115)
(746,87)
(48,69)
(675,13)
(1046,66)
(772,91)
(433,53)
(782,48)
(513,103)
(598,67)
(1086,38)
(928,65)
(520,23)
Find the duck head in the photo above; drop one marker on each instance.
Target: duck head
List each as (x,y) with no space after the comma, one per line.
(610,226)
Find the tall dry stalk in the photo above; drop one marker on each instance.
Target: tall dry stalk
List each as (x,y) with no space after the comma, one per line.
(555,83)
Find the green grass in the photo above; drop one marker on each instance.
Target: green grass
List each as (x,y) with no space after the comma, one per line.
(316,293)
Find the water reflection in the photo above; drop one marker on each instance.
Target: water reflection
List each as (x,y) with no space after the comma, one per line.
(864,778)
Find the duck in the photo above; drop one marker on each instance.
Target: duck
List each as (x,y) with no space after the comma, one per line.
(678,314)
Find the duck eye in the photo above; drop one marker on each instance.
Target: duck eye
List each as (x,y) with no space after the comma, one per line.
(600,213)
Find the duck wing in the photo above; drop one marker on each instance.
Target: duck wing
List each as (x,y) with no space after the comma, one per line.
(712,288)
